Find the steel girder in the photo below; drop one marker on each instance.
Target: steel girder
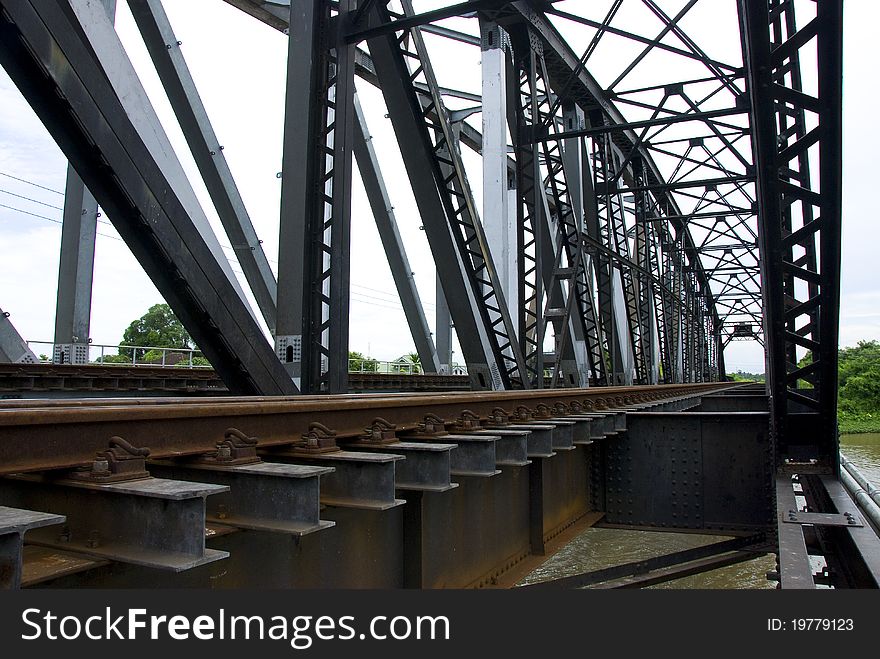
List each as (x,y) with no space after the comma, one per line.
(552,212)
(48,54)
(76,263)
(314,261)
(629,140)
(167,56)
(386,224)
(799,219)
(567,74)
(431,155)
(675,183)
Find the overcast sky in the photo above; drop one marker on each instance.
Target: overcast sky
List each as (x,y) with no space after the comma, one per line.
(238,64)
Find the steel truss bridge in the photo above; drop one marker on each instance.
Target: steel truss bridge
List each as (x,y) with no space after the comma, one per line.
(660,182)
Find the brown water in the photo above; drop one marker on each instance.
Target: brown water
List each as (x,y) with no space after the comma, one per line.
(599,548)
(863,450)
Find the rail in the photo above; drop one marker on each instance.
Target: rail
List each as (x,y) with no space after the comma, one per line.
(37,435)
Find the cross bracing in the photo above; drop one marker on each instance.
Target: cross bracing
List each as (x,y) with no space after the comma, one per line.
(673,169)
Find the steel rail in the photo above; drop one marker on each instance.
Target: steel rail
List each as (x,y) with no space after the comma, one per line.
(51,435)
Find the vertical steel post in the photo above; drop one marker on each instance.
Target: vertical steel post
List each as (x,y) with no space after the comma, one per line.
(499,222)
(79,228)
(796,212)
(443,330)
(314,264)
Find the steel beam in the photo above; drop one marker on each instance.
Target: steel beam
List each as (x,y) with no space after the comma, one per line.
(443,328)
(395,252)
(499,222)
(13,348)
(48,51)
(260,496)
(797,211)
(313,260)
(151,522)
(14,523)
(167,55)
(76,266)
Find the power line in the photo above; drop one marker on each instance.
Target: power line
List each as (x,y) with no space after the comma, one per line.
(36,201)
(393,302)
(19,210)
(50,219)
(36,185)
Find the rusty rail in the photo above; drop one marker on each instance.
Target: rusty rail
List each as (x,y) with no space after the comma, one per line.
(61,434)
(171,380)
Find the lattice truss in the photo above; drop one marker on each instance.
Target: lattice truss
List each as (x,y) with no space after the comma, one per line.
(652,98)
(665,227)
(675,184)
(636,212)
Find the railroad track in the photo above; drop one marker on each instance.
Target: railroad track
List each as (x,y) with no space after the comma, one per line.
(379,490)
(49,379)
(39,435)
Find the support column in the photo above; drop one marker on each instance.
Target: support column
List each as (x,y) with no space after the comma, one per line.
(499,222)
(313,268)
(73,306)
(443,334)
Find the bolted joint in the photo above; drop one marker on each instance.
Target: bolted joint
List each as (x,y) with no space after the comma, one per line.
(235,449)
(560,409)
(543,412)
(433,425)
(120,462)
(379,432)
(318,439)
(468,421)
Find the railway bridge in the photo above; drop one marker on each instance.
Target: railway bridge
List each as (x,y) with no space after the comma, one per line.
(657,181)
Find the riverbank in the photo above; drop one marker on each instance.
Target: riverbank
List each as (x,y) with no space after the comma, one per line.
(850,423)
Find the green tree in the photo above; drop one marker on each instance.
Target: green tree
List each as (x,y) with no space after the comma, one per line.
(158,328)
(745,376)
(358,363)
(859,378)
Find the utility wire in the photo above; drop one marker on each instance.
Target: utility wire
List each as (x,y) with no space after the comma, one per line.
(36,185)
(50,219)
(394,303)
(36,201)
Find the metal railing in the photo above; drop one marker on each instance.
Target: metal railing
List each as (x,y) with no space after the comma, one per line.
(861,489)
(118,355)
(401,367)
(49,352)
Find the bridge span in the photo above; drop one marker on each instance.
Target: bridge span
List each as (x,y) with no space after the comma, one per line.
(655,191)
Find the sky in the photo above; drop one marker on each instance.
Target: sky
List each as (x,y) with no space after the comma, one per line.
(239,68)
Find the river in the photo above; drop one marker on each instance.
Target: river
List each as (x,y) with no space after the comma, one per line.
(598,548)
